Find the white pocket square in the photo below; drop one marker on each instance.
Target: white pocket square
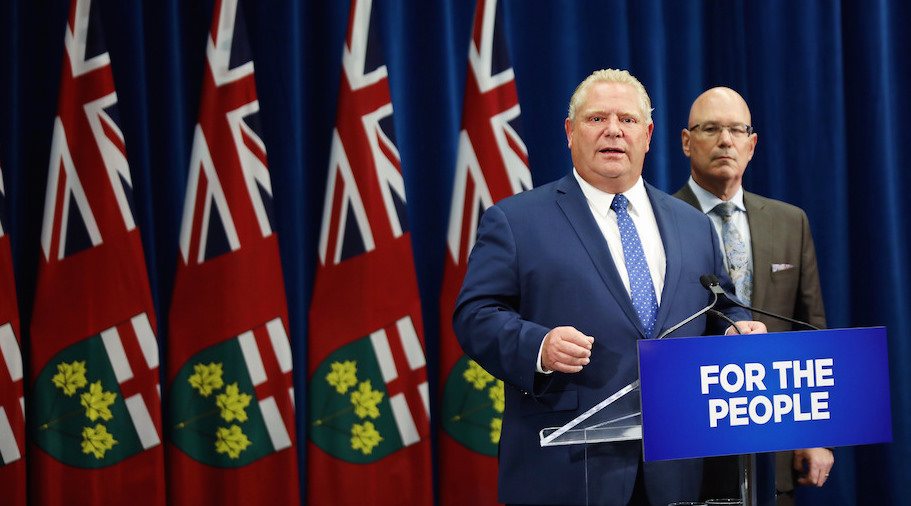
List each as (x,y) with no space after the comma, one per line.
(781,267)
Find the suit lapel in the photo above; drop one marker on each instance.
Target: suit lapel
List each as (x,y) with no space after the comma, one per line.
(760,227)
(572,203)
(673,249)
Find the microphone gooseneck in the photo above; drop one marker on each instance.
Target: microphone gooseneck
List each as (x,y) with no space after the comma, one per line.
(690,318)
(719,314)
(710,281)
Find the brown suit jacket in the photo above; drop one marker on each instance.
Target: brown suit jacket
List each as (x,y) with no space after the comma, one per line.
(785,282)
(785,276)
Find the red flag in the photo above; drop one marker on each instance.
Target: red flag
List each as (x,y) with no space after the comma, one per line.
(230,426)
(492,164)
(95,413)
(368,415)
(12,402)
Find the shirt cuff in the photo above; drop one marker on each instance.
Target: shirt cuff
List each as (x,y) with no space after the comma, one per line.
(539,366)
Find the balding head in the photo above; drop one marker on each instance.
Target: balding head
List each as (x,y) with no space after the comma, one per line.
(718,102)
(719,141)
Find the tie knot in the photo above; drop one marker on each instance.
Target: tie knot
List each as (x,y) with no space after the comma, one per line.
(619,203)
(725,209)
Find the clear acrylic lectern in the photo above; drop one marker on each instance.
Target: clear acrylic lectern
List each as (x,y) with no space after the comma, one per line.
(619,418)
(616,418)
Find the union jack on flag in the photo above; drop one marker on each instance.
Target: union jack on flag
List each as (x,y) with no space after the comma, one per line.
(12,400)
(365,341)
(231,411)
(492,164)
(92,276)
(70,224)
(230,114)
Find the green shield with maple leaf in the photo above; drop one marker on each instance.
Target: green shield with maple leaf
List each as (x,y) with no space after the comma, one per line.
(214,415)
(349,413)
(472,410)
(78,414)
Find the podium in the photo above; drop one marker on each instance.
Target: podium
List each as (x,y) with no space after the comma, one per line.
(616,418)
(743,395)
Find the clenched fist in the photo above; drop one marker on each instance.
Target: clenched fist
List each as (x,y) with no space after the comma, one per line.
(566,349)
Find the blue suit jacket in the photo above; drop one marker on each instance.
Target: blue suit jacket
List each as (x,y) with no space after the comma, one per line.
(540,261)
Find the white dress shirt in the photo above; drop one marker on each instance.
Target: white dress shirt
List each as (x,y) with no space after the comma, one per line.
(640,210)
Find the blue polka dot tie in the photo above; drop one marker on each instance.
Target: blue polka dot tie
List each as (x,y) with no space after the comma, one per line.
(735,249)
(642,291)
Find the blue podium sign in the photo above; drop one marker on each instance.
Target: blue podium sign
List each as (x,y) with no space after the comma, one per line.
(727,395)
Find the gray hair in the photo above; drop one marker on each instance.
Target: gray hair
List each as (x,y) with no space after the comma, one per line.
(610,76)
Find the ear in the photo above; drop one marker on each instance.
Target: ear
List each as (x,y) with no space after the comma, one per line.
(568,126)
(648,135)
(685,141)
(753,140)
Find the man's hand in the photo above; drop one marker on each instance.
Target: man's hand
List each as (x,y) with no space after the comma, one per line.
(813,465)
(565,349)
(747,327)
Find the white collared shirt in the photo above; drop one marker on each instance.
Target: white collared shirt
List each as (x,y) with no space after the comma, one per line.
(708,201)
(640,210)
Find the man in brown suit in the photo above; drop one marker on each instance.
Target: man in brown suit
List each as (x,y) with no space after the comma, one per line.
(780,258)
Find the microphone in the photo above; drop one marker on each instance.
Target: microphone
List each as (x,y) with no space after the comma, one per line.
(690,318)
(710,281)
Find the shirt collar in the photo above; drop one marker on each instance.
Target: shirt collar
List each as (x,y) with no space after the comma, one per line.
(600,201)
(708,201)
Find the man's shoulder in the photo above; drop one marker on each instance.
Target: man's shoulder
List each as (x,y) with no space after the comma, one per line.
(678,203)
(756,202)
(538,194)
(685,193)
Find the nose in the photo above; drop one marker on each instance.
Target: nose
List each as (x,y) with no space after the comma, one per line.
(612,127)
(725,138)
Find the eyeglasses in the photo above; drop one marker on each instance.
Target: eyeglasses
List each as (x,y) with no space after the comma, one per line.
(713,129)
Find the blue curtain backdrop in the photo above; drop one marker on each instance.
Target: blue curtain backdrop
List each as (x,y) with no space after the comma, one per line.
(827,83)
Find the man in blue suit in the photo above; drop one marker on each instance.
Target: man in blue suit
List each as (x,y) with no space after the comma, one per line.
(547,304)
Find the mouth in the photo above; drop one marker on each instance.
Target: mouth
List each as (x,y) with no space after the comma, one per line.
(724,156)
(611,151)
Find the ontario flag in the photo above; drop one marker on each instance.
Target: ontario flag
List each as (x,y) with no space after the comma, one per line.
(230,402)
(95,403)
(368,405)
(492,163)
(12,402)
